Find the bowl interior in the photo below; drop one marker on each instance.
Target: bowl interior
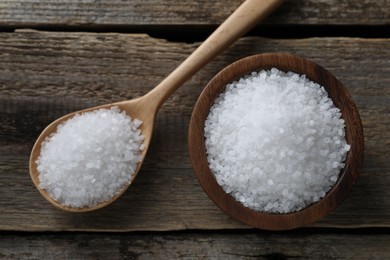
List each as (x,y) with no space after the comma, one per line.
(340,98)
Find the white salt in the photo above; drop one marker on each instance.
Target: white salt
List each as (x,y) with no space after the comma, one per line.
(90,158)
(275,141)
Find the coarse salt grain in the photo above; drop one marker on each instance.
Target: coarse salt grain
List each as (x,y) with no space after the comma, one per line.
(275,141)
(91,157)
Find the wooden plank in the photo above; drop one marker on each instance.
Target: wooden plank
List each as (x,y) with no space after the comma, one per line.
(168,12)
(44,75)
(238,245)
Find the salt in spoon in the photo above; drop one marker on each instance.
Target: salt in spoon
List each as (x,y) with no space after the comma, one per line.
(145,108)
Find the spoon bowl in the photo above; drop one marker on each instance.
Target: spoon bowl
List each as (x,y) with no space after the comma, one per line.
(145,108)
(340,98)
(134,108)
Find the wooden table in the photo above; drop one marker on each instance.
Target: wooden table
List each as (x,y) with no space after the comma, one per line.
(61,56)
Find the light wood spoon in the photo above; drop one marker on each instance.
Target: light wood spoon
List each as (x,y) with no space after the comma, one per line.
(145,108)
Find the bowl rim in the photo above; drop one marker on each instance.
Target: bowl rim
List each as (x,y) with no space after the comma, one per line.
(340,97)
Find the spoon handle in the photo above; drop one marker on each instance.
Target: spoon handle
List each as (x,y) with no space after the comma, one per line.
(239,23)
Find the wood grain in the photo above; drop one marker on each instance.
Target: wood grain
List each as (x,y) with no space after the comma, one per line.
(94,14)
(44,75)
(191,245)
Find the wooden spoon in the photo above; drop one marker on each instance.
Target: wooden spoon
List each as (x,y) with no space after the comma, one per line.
(145,108)
(340,98)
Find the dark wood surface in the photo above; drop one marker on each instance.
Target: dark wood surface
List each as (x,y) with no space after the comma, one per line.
(185,12)
(45,74)
(195,245)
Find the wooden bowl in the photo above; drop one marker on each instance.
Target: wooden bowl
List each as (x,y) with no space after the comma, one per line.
(341,99)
